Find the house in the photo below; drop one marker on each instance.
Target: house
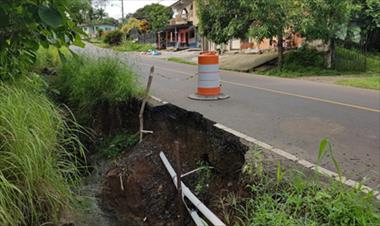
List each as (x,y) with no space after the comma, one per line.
(181,33)
(92,30)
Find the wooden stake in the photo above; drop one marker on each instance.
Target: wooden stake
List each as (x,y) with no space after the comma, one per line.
(179,186)
(145,99)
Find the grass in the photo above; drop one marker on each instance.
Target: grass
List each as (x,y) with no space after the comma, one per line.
(300,72)
(114,145)
(373,62)
(86,83)
(291,198)
(204,175)
(297,201)
(38,157)
(181,61)
(307,62)
(49,58)
(372,82)
(130,46)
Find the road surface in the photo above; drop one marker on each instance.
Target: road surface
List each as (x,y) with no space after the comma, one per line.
(290,114)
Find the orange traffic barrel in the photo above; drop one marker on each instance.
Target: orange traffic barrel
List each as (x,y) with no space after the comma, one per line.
(208,78)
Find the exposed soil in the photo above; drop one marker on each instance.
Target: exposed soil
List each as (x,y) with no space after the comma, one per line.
(135,188)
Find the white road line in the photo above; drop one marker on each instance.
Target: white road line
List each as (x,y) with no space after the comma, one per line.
(305,163)
(299,161)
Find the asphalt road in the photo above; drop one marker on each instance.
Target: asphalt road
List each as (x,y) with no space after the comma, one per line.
(293,115)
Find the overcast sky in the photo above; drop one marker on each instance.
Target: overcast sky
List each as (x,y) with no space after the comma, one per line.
(113,8)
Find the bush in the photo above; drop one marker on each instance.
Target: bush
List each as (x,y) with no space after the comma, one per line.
(49,58)
(86,83)
(303,57)
(130,46)
(38,163)
(114,37)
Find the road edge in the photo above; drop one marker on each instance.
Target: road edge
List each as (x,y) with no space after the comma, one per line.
(290,157)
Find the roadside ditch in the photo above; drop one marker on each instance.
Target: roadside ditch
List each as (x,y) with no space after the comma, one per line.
(134,188)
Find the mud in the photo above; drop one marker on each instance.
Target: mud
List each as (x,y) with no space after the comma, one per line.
(135,188)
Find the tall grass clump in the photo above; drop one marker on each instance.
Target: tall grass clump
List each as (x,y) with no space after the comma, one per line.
(38,158)
(291,198)
(49,58)
(87,83)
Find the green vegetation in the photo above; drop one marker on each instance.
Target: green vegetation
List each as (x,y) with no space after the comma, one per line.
(25,25)
(297,201)
(156,15)
(88,82)
(181,61)
(125,46)
(309,62)
(353,23)
(350,60)
(362,82)
(291,198)
(116,144)
(50,58)
(38,158)
(113,37)
(373,62)
(203,177)
(141,26)
(130,46)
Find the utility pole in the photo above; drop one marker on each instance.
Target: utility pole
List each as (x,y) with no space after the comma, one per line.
(122,10)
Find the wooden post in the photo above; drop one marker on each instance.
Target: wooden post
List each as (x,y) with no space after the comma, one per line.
(145,99)
(179,186)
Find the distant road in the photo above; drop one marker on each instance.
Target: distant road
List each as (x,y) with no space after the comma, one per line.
(294,115)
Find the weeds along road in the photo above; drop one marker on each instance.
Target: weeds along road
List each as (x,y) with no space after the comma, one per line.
(293,115)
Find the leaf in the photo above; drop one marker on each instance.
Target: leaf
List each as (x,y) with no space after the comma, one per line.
(78,41)
(4,19)
(61,56)
(50,16)
(322,149)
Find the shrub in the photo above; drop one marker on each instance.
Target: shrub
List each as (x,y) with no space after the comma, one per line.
(303,57)
(86,83)
(114,37)
(50,58)
(38,157)
(130,46)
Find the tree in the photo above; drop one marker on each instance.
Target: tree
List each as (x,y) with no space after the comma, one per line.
(364,25)
(99,14)
(133,23)
(79,10)
(272,19)
(220,20)
(325,20)
(156,14)
(25,25)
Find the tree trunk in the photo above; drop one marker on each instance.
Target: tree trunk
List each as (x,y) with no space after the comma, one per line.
(204,44)
(331,54)
(280,50)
